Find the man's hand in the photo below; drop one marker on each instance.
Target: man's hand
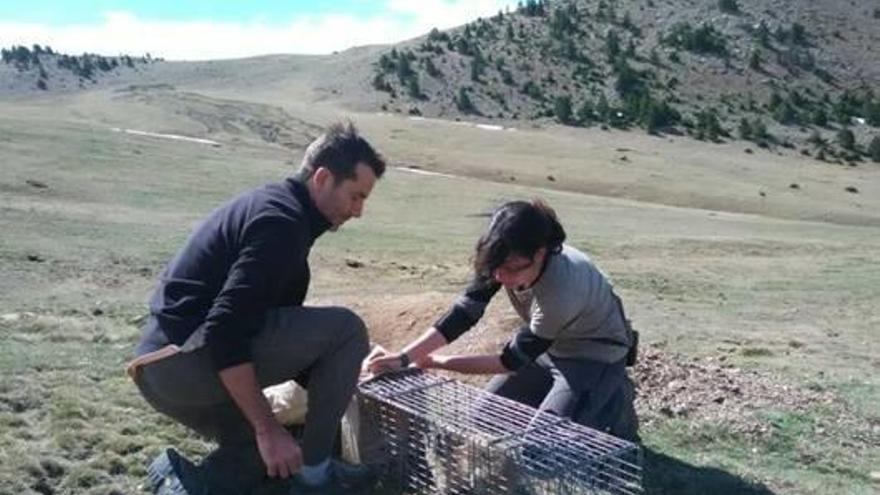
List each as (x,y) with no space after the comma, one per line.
(385,363)
(279,451)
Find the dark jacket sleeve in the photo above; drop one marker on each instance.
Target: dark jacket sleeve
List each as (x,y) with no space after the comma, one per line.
(468,308)
(523,349)
(272,251)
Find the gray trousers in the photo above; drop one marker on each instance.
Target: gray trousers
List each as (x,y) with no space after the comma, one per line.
(320,347)
(592,393)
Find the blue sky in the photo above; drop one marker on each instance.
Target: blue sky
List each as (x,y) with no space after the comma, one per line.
(64,12)
(212,29)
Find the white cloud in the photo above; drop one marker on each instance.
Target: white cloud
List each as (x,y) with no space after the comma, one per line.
(123,32)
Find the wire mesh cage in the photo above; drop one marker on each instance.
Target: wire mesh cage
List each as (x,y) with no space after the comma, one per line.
(440,436)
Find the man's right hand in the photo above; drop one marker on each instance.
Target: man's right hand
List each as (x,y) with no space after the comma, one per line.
(279,451)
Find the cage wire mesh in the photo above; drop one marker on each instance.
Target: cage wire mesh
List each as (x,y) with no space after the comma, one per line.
(440,436)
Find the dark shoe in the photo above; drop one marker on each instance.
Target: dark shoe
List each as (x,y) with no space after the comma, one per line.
(343,478)
(172,474)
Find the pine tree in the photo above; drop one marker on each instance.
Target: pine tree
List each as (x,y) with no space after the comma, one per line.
(562,109)
(586,112)
(413,89)
(846,139)
(728,6)
(755,60)
(463,102)
(874,149)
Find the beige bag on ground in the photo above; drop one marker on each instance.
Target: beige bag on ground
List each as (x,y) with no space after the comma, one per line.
(289,402)
(361,441)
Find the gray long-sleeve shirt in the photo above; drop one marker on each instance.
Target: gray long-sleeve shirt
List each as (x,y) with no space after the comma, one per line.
(571,304)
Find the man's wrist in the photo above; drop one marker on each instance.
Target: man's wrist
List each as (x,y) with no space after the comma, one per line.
(404,360)
(265,425)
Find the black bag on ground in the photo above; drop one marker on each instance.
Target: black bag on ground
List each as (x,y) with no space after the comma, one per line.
(632,355)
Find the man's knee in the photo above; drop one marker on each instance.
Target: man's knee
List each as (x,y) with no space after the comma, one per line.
(355,332)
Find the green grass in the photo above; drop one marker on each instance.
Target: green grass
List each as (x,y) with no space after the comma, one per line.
(798,455)
(118,206)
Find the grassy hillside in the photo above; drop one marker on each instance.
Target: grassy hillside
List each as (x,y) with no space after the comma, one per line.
(750,270)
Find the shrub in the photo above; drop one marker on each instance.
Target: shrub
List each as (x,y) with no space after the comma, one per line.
(476,70)
(762,34)
(728,6)
(561,24)
(629,83)
(562,109)
(819,117)
(798,34)
(586,112)
(708,126)
(846,139)
(432,69)
(437,35)
(874,149)
(606,12)
(745,129)
(532,8)
(612,45)
(785,113)
(533,90)
(507,77)
(404,69)
(654,115)
(628,24)
(413,89)
(760,134)
(872,113)
(754,130)
(755,60)
(704,39)
(655,57)
(463,102)
(380,84)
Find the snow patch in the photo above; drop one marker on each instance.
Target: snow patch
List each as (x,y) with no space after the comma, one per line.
(175,137)
(426,172)
(489,127)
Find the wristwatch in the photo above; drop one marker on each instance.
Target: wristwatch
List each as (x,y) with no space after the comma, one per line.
(404,360)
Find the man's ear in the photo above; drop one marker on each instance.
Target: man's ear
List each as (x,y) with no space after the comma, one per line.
(321,177)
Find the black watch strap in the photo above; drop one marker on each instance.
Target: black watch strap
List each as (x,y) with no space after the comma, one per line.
(404,360)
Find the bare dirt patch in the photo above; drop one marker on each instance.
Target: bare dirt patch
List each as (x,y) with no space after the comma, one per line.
(713,390)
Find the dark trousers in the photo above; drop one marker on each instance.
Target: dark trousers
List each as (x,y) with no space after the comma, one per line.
(592,393)
(321,348)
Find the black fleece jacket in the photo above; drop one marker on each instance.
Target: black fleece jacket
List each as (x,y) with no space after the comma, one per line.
(248,256)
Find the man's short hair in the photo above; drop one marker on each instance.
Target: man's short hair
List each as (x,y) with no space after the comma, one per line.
(339,150)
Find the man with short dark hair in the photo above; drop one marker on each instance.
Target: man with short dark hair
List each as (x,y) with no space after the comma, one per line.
(227,320)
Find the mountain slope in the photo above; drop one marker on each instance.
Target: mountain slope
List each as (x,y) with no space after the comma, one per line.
(772,71)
